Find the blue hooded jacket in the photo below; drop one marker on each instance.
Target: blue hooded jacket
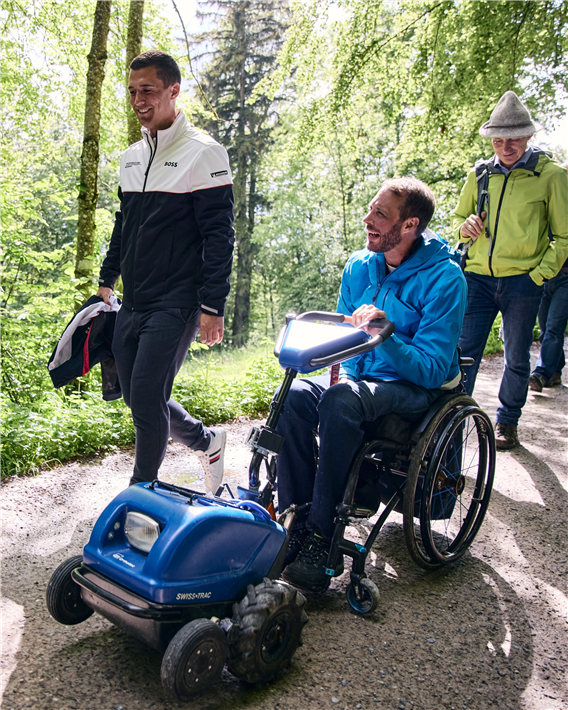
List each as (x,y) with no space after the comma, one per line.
(425,298)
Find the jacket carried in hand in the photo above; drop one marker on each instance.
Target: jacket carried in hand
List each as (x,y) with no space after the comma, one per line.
(173,237)
(86,341)
(523,204)
(425,298)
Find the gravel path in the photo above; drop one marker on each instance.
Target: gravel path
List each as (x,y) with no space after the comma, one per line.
(490,632)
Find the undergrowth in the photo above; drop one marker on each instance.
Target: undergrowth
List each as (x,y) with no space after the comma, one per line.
(62,426)
(216,386)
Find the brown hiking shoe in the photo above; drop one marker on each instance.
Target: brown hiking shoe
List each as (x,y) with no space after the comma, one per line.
(536,383)
(556,379)
(506,437)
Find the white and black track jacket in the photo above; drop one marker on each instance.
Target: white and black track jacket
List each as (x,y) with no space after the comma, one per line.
(173,236)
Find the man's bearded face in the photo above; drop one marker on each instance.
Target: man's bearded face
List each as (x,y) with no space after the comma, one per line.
(384,241)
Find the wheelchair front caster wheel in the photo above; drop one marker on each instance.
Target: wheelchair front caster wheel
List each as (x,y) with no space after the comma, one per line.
(364,597)
(194,660)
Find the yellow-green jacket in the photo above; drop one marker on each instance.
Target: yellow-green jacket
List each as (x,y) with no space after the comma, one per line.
(522,206)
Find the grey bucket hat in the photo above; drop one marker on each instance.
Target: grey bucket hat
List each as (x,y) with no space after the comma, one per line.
(510,119)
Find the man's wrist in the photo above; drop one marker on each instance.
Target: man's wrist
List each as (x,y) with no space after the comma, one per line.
(210,311)
(107,283)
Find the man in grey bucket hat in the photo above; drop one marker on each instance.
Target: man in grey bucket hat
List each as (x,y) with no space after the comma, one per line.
(513,214)
(510,119)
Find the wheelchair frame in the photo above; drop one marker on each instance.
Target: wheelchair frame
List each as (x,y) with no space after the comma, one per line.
(440,471)
(442,508)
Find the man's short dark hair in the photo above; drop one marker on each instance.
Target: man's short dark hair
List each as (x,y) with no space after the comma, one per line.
(419,200)
(167,69)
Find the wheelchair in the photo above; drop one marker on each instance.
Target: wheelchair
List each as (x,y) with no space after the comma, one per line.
(436,471)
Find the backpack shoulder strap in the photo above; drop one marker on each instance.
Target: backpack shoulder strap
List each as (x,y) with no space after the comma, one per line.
(482,168)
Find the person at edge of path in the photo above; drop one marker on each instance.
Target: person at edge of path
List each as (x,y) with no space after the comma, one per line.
(172,243)
(409,275)
(517,242)
(552,321)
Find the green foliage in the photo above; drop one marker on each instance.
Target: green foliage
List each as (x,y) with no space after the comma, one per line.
(59,428)
(52,427)
(428,72)
(216,397)
(366,89)
(494,342)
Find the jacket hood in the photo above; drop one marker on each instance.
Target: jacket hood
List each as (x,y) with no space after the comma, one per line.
(432,250)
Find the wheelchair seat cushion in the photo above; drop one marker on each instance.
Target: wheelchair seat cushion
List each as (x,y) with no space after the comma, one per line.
(391,427)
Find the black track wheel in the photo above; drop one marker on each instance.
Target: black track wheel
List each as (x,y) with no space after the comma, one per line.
(194,659)
(413,497)
(63,595)
(267,630)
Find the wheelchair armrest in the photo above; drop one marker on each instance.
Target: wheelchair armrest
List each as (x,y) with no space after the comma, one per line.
(466,361)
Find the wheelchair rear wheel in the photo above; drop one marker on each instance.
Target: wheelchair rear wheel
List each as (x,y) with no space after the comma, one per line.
(449,483)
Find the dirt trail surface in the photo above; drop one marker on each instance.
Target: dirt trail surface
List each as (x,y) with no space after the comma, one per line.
(489,632)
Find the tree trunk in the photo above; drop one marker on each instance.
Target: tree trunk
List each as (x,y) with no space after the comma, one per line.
(241,320)
(88,188)
(133,49)
(244,263)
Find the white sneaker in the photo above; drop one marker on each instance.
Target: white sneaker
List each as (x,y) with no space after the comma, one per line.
(212,459)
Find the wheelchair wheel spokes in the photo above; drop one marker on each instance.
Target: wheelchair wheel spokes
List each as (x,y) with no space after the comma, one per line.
(457,485)
(413,491)
(463,452)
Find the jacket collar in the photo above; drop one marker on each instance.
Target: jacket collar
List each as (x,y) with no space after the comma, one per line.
(168,135)
(531,165)
(429,246)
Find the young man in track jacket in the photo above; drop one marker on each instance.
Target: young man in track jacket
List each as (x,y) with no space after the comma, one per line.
(172,244)
(519,240)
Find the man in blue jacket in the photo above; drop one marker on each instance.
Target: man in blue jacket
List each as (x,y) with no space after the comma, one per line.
(172,244)
(411,276)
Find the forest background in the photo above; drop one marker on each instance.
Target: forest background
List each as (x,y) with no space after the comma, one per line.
(317,103)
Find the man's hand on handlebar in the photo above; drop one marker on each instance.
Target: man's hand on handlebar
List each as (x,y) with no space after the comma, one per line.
(363,315)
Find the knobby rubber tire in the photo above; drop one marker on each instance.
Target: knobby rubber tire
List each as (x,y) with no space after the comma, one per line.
(63,595)
(267,630)
(194,659)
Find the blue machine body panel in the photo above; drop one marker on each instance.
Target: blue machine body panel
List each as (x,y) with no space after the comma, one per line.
(206,552)
(306,340)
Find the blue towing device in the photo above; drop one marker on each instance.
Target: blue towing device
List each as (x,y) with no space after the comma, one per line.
(196,576)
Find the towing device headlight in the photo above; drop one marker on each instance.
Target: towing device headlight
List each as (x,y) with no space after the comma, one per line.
(141,531)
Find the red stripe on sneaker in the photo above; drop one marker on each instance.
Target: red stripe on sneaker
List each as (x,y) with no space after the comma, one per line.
(214,460)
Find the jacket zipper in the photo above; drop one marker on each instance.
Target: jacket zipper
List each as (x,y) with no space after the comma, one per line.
(387,274)
(494,237)
(152,154)
(153,151)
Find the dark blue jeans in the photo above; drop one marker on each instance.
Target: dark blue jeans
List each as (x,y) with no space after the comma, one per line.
(552,320)
(339,411)
(518,299)
(149,348)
